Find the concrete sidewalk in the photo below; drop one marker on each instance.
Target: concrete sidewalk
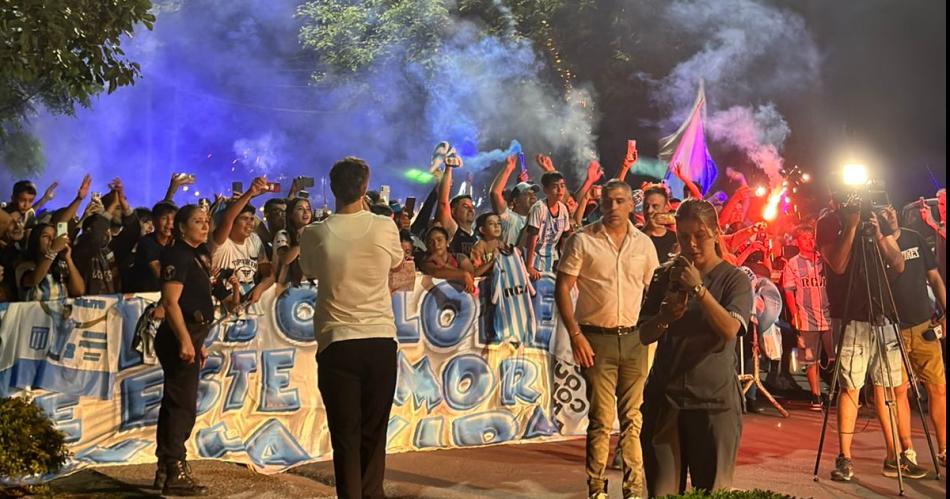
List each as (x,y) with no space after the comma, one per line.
(776,454)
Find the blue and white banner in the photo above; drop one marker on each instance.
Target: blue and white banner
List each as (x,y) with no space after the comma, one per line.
(460,382)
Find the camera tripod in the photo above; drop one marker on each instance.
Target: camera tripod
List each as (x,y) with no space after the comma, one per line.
(871,263)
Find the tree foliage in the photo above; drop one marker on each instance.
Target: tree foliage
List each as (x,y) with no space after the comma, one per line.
(349,37)
(60,53)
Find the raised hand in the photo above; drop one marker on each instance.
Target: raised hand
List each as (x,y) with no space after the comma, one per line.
(544,162)
(257,186)
(594,172)
(84,187)
(50,191)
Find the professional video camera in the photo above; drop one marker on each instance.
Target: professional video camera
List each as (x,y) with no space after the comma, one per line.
(856,191)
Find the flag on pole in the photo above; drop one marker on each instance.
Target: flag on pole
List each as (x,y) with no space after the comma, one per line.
(688,148)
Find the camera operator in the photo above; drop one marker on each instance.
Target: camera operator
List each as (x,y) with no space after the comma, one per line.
(838,236)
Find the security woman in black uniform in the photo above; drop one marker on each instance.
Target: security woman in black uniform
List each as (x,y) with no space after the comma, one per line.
(696,307)
(186,297)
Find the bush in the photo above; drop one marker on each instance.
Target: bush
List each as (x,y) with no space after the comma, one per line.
(29,444)
(736,494)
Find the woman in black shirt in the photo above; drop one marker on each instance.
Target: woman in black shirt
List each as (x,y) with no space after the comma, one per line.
(287,243)
(696,307)
(179,345)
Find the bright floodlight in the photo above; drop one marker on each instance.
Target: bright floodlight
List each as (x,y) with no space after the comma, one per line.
(854,174)
(761,191)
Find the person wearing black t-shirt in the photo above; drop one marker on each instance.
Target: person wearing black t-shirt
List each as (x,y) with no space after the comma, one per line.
(656,206)
(696,308)
(917,326)
(851,269)
(179,345)
(147,269)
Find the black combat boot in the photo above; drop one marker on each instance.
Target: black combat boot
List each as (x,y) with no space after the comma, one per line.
(179,481)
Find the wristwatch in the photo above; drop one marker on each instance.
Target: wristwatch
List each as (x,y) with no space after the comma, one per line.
(697,289)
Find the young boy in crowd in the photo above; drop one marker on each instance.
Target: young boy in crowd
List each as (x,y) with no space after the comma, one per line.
(548,221)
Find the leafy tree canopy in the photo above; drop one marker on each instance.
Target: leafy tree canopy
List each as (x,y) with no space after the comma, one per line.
(60,53)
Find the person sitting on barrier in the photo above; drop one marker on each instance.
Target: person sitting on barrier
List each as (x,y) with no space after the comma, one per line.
(439,263)
(48,272)
(697,305)
(489,243)
(287,243)
(179,345)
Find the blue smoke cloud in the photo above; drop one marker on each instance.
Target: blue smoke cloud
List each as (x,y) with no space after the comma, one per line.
(227,94)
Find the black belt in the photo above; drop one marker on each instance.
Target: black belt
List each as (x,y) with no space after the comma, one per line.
(609,331)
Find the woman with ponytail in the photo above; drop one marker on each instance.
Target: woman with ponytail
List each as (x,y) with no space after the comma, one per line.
(179,345)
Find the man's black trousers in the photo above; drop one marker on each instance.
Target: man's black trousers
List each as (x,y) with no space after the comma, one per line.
(357,380)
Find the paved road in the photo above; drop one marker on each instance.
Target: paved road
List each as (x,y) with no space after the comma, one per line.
(776,454)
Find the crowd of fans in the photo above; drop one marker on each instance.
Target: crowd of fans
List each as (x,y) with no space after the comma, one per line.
(111,247)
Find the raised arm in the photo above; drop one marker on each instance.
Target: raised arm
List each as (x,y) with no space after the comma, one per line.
(688,184)
(70,212)
(177,180)
(628,160)
(46,197)
(498,203)
(443,212)
(222,231)
(594,174)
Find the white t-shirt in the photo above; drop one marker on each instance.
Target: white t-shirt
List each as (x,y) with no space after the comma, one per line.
(350,255)
(242,258)
(511,226)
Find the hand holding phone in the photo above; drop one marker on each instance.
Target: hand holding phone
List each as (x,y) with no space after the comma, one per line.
(631,151)
(62,228)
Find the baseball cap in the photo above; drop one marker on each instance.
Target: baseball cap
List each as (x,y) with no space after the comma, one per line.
(524,187)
